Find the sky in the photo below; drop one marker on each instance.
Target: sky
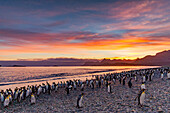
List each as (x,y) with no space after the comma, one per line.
(129,29)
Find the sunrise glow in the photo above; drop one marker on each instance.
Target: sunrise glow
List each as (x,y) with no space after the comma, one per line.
(83,29)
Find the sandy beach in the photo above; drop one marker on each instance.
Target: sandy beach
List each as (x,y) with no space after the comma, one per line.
(99,100)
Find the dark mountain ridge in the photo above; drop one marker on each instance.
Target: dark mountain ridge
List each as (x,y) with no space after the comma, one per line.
(160,59)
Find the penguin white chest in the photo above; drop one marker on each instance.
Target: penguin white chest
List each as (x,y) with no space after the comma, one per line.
(74,85)
(2,97)
(56,88)
(10,98)
(33,99)
(82,86)
(16,95)
(108,89)
(143,78)
(53,86)
(168,75)
(142,98)
(39,90)
(27,94)
(143,86)
(6,102)
(80,102)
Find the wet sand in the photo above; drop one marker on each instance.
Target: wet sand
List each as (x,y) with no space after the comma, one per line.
(99,100)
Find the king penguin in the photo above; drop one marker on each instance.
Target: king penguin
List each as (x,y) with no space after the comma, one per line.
(142,97)
(130,83)
(74,84)
(27,92)
(144,78)
(39,90)
(82,87)
(136,78)
(2,97)
(109,88)
(56,88)
(162,76)
(143,86)
(124,78)
(168,76)
(33,99)
(6,102)
(79,100)
(53,86)
(10,98)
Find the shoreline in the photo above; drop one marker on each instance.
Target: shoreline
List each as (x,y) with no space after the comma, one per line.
(99,100)
(13,84)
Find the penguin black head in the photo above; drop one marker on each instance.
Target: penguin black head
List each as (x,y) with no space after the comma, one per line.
(82,93)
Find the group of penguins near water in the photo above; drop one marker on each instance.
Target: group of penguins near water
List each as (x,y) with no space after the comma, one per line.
(34,91)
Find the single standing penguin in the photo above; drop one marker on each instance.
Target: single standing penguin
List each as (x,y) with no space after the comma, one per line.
(27,92)
(39,90)
(136,78)
(74,84)
(10,98)
(92,84)
(6,102)
(102,81)
(70,87)
(79,100)
(56,88)
(19,97)
(15,93)
(130,83)
(87,82)
(162,76)
(82,87)
(142,97)
(99,83)
(43,88)
(33,100)
(143,86)
(120,80)
(48,86)
(2,96)
(124,78)
(150,77)
(144,78)
(22,95)
(106,83)
(114,80)
(168,76)
(109,88)
(53,86)
(68,90)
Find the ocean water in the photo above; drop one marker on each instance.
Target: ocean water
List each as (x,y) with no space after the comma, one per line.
(11,77)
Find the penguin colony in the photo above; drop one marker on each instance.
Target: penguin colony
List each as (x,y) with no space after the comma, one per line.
(34,91)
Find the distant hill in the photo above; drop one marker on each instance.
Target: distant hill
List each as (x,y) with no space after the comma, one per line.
(160,59)
(108,62)
(47,62)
